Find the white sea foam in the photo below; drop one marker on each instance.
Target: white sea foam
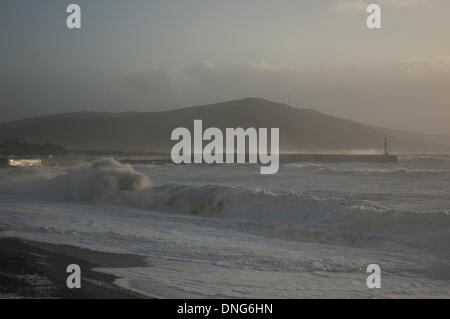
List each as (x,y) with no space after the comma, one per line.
(227,227)
(286,214)
(400,172)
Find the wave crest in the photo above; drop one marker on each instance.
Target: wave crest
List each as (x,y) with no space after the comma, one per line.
(318,216)
(101,180)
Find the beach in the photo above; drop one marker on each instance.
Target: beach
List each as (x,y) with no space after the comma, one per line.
(36,270)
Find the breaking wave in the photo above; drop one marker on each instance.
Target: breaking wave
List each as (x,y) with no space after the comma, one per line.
(292,214)
(426,158)
(341,170)
(287,214)
(98,181)
(398,172)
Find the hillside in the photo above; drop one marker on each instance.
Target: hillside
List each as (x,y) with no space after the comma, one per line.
(302,130)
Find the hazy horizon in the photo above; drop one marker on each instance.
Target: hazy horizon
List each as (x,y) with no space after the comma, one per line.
(141,56)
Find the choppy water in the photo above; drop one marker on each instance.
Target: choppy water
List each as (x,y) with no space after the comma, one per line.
(226,231)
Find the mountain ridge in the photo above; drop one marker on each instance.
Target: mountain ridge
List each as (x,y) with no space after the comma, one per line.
(301,130)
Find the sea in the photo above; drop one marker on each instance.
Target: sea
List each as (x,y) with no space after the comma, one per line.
(225,231)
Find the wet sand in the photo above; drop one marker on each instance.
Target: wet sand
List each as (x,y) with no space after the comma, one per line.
(38,270)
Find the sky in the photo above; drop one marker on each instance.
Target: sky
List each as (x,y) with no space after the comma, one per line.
(140,55)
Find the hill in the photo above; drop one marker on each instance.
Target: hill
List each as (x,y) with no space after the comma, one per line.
(301,130)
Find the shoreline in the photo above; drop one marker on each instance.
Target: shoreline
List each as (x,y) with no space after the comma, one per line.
(31,269)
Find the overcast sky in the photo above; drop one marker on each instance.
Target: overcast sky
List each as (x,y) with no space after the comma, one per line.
(161,54)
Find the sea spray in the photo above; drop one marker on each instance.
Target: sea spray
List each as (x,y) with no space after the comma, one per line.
(98,181)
